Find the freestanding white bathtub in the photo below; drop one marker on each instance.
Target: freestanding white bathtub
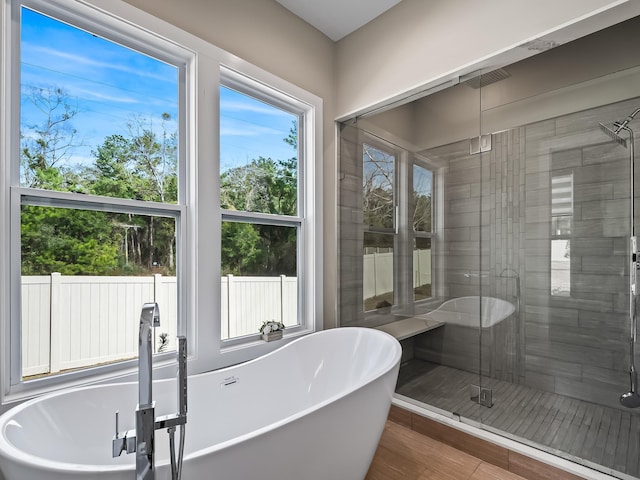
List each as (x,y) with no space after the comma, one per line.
(461,343)
(313,409)
(470,311)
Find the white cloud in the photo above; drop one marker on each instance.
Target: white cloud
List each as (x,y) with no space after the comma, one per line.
(247,131)
(239,106)
(94,94)
(43,52)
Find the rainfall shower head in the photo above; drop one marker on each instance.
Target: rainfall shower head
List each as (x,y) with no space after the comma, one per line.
(618,127)
(614,134)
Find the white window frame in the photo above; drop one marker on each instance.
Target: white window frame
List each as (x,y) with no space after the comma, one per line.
(417,160)
(198,209)
(396,218)
(402,231)
(241,83)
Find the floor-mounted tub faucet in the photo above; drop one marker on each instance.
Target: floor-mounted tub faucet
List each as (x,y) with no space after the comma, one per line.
(142,439)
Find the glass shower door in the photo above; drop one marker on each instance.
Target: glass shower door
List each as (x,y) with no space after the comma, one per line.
(559,243)
(409,243)
(446,359)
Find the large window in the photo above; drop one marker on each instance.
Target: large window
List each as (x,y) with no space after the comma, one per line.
(98,122)
(117,193)
(422,228)
(260,199)
(380,218)
(561,226)
(397,192)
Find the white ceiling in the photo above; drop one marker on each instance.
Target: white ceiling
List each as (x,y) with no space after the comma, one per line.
(337,18)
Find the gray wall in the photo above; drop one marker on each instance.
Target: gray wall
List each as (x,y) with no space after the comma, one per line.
(351,233)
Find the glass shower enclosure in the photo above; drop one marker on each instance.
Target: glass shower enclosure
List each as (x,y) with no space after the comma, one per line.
(490,228)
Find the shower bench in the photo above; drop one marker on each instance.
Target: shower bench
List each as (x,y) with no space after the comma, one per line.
(409,327)
(405,331)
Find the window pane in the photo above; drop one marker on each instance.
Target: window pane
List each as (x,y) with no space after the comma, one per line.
(96,117)
(378,271)
(561,267)
(561,226)
(258,155)
(421,268)
(85,277)
(421,205)
(377,185)
(260,278)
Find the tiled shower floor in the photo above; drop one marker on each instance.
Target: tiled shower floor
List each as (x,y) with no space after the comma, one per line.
(588,433)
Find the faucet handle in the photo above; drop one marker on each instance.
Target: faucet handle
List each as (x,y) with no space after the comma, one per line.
(123,442)
(119,443)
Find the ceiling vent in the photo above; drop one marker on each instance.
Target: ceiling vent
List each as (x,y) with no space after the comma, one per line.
(488,78)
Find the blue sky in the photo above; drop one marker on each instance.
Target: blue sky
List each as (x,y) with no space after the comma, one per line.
(250,128)
(108,84)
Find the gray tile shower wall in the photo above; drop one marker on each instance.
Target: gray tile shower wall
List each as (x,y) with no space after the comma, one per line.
(350,249)
(498,214)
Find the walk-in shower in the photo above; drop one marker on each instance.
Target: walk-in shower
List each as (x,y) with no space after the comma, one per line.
(631,398)
(512,193)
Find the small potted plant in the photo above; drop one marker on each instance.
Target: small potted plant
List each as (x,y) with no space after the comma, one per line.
(271,330)
(164,342)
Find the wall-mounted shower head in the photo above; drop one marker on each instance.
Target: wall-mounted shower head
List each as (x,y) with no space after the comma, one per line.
(619,126)
(614,134)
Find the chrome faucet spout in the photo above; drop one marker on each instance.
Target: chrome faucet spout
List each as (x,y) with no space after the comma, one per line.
(142,439)
(149,318)
(145,414)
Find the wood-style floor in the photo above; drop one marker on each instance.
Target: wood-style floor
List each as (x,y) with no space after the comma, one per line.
(404,454)
(595,434)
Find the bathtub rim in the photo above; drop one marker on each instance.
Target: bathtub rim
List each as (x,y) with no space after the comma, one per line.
(510,306)
(16,455)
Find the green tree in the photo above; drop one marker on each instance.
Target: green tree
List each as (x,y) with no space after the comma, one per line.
(377,186)
(47,145)
(154,159)
(72,242)
(111,174)
(266,186)
(421,212)
(141,165)
(241,251)
(68,241)
(263,185)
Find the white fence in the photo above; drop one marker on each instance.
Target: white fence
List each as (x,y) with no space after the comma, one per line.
(378,272)
(77,321)
(249,301)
